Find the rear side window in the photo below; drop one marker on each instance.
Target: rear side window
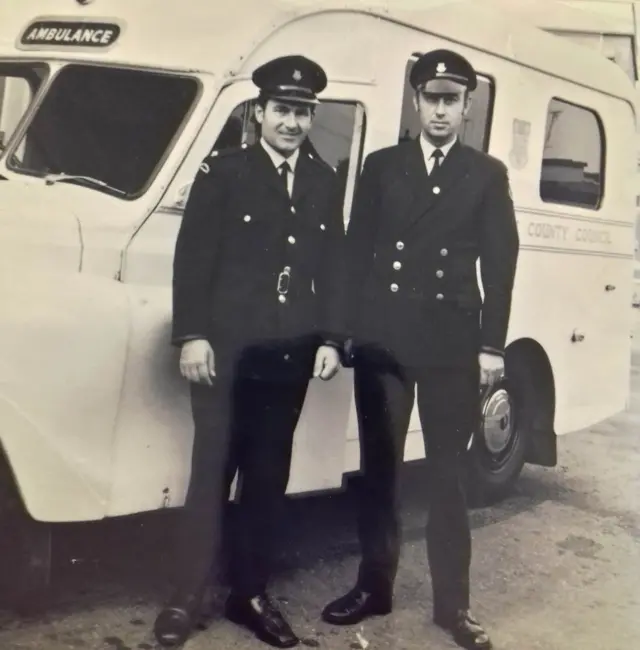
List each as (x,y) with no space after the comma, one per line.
(476,127)
(573,158)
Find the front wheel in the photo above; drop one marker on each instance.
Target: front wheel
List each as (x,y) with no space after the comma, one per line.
(25,554)
(499,444)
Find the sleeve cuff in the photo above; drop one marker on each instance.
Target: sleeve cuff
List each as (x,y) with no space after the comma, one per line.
(487,349)
(178,341)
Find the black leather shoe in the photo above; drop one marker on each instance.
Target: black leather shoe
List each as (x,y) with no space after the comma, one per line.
(263,618)
(465,629)
(176,621)
(356,606)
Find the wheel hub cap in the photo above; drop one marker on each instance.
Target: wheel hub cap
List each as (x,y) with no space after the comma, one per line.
(497,420)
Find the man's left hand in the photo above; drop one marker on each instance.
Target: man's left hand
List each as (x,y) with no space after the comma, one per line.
(491,368)
(327,362)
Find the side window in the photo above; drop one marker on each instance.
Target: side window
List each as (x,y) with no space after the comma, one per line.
(572,164)
(476,127)
(18,86)
(337,131)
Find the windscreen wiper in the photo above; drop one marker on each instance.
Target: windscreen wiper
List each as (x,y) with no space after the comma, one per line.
(52,179)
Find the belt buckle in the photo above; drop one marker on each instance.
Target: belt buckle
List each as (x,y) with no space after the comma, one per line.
(283,280)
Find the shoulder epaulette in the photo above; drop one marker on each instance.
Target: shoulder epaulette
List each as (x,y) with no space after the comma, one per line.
(228,151)
(218,154)
(320,161)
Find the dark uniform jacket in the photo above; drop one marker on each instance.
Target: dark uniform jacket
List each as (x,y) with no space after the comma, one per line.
(239,231)
(412,246)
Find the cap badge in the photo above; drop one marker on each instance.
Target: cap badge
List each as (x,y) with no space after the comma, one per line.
(441,68)
(297,75)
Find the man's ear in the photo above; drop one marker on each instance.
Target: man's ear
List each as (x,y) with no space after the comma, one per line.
(258,113)
(467,104)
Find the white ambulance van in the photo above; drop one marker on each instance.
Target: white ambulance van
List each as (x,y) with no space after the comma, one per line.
(108,109)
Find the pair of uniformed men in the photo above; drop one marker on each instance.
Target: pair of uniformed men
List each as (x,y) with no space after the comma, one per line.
(269,292)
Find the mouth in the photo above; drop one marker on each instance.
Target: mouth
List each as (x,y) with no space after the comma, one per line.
(439,125)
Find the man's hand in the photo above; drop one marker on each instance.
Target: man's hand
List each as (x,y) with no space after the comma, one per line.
(327,362)
(197,362)
(491,368)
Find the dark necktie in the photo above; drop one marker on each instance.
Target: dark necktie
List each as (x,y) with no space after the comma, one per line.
(437,156)
(284,170)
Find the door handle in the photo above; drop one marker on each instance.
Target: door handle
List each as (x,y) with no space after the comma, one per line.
(577,337)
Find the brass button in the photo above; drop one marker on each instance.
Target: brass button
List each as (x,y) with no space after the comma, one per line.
(439,273)
(439,296)
(394,287)
(247,218)
(444,252)
(282,298)
(322,226)
(287,357)
(291,239)
(293,210)
(397,266)
(436,190)
(400,245)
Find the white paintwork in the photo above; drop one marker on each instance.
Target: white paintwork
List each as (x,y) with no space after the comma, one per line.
(94,417)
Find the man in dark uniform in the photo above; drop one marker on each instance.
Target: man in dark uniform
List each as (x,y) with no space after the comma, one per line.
(425,211)
(258,310)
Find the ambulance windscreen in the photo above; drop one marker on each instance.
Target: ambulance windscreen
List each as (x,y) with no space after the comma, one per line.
(110,124)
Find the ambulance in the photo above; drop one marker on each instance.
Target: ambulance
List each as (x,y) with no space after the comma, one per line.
(108,109)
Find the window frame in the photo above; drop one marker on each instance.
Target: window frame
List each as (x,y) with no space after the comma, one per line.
(603,157)
(485,77)
(45,88)
(356,150)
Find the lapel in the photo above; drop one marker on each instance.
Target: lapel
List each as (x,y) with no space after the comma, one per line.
(422,185)
(267,172)
(304,178)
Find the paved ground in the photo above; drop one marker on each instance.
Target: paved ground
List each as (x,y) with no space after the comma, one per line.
(556,566)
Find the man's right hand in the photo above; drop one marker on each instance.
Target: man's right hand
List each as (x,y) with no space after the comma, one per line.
(197,361)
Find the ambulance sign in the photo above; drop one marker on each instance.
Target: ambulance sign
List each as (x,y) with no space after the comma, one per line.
(69,34)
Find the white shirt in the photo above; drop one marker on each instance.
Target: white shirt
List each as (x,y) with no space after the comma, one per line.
(428,149)
(278,159)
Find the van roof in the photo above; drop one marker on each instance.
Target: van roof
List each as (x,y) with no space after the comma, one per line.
(206,35)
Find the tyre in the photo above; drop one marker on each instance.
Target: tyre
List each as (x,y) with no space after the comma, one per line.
(25,553)
(499,444)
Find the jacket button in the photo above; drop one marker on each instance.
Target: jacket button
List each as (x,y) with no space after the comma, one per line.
(247,218)
(439,296)
(394,287)
(291,239)
(322,226)
(399,245)
(282,298)
(293,210)
(439,273)
(436,190)
(287,357)
(397,266)
(444,252)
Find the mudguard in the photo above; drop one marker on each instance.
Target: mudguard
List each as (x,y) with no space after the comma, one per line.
(63,342)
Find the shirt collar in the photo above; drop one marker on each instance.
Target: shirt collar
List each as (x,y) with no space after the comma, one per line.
(278,158)
(428,148)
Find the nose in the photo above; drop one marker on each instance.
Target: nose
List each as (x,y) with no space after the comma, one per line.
(290,121)
(440,107)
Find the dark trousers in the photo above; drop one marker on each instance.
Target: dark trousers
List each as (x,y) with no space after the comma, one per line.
(448,402)
(243,424)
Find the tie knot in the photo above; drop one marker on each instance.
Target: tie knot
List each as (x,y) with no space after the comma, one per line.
(285,167)
(437,154)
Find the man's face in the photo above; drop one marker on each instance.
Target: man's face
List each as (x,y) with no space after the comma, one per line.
(285,125)
(441,105)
